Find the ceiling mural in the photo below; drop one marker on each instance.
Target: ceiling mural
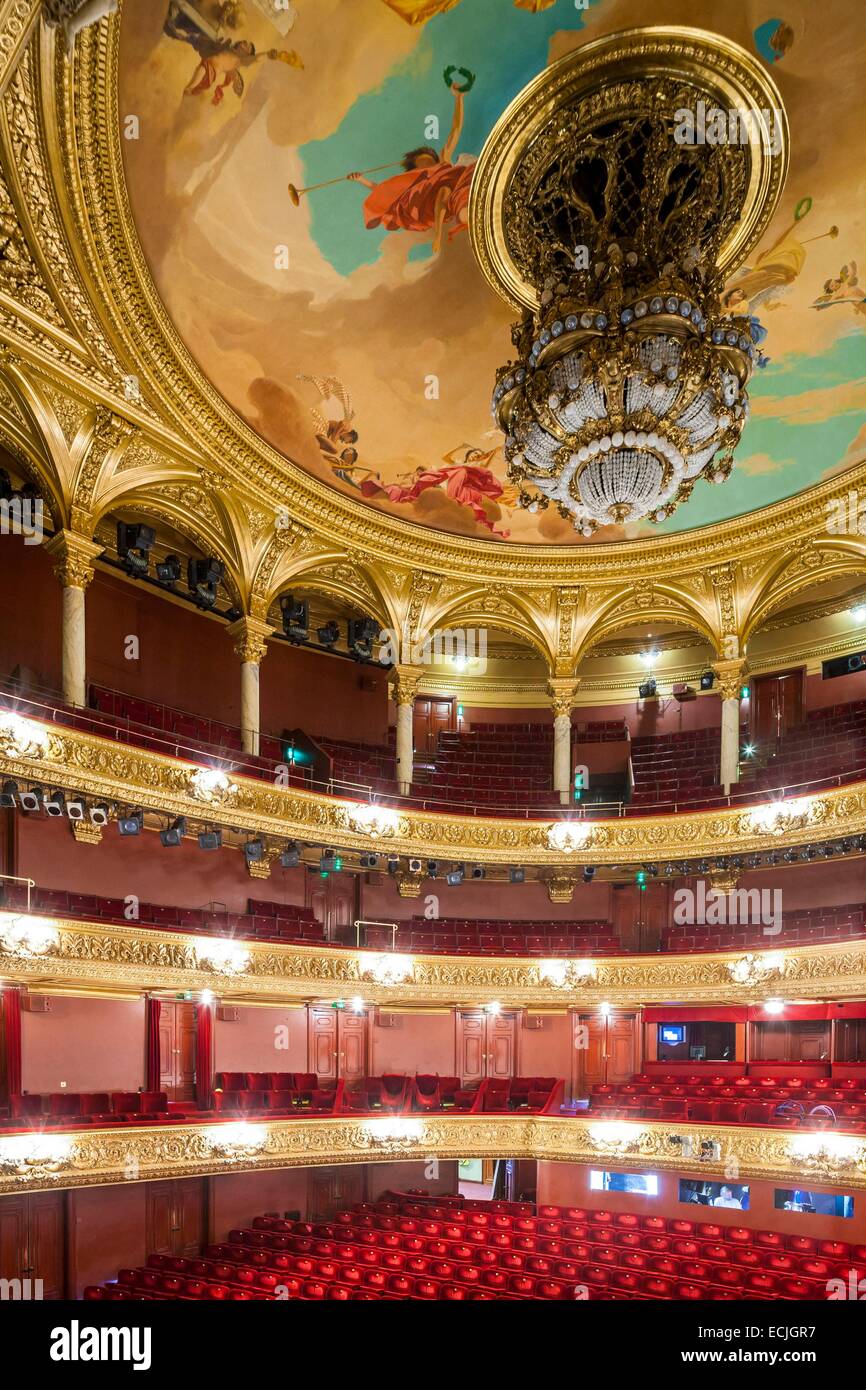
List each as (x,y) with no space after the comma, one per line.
(300,183)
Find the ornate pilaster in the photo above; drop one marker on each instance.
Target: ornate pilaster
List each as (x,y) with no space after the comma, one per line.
(563,693)
(730,678)
(86,833)
(405,681)
(251,644)
(560,888)
(73,557)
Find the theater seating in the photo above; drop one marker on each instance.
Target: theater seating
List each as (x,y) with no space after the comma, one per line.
(671,769)
(750,1100)
(72,1109)
(417,1247)
(829,745)
(804,927)
(492,936)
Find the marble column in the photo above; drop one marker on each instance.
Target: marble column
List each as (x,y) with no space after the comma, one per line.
(250,637)
(404,687)
(729,675)
(562,692)
(73,557)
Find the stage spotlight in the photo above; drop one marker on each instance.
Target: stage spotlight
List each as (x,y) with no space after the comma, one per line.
(414,866)
(432,868)
(9,794)
(369,861)
(362,634)
(456,876)
(479,871)
(647,690)
(708,680)
(134,544)
(588,873)
(516,875)
(168,571)
(203,577)
(100,814)
(790,855)
(173,836)
(55,803)
(254,851)
(290,857)
(296,618)
(130,825)
(31,800)
(210,839)
(76,809)
(328,635)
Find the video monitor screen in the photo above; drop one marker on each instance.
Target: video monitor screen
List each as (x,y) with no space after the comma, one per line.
(673,1032)
(814,1203)
(645,1183)
(714,1194)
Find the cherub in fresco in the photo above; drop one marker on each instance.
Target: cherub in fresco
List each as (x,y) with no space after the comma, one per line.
(845,288)
(432,192)
(467,481)
(774,271)
(335,433)
(220,59)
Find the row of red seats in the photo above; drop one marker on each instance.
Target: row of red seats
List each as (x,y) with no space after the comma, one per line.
(71,1109)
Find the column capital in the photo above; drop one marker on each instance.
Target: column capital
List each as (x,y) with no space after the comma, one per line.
(404,683)
(563,694)
(73,557)
(250,636)
(730,677)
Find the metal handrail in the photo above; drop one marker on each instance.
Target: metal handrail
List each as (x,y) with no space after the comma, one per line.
(16,878)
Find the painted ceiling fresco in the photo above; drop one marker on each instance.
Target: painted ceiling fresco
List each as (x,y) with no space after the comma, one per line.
(300,185)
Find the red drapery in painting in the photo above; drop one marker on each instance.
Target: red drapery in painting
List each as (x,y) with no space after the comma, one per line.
(204,1055)
(152,1067)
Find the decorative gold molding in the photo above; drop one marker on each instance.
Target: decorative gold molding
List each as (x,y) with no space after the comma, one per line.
(113,957)
(73,557)
(109,1156)
(110,771)
(250,637)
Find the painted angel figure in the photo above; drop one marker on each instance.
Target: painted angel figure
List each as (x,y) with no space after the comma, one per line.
(335,433)
(432,191)
(220,59)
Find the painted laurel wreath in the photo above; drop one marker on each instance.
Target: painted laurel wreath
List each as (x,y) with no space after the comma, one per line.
(468,78)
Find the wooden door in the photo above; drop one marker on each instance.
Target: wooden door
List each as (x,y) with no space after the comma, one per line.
(322,1044)
(353,1032)
(471,1047)
(777,706)
(610,1051)
(639,916)
(330,1190)
(486,1046)
(33,1240)
(176,1217)
(177,1050)
(430,717)
(334,902)
(501,1046)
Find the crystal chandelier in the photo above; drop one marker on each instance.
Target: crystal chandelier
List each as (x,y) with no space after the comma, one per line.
(630,380)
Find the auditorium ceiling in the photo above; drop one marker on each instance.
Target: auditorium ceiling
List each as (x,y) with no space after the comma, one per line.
(350,327)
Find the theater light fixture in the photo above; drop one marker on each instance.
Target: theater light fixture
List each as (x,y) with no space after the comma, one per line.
(567,836)
(225,957)
(168,571)
(290,858)
(378,822)
(493,1008)
(236,1141)
(357,1004)
(647,690)
(9,794)
(479,871)
(134,544)
(203,580)
(130,825)
(567,974)
(456,876)
(774,1006)
(387,969)
(827,1152)
(296,618)
(23,738)
(615,1137)
(328,635)
(362,633)
(754,970)
(394,1131)
(27,937)
(55,803)
(210,839)
(211,784)
(708,680)
(516,875)
(76,808)
(254,851)
(34,1156)
(780,816)
(173,835)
